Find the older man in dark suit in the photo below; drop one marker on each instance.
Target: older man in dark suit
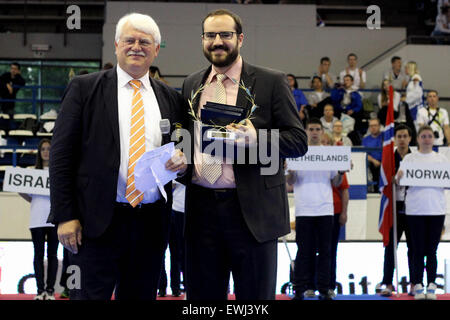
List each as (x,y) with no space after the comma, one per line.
(235,213)
(117,234)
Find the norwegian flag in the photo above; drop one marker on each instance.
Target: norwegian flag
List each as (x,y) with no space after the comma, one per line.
(387,172)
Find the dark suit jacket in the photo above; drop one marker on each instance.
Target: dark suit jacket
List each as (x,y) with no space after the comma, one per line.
(85,152)
(263,198)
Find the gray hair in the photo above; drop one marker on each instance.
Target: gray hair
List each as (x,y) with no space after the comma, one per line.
(141,22)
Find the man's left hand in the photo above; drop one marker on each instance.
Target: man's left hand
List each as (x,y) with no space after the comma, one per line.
(178,162)
(245,133)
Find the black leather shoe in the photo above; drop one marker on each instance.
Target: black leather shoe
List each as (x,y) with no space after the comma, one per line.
(176,293)
(162,293)
(325,296)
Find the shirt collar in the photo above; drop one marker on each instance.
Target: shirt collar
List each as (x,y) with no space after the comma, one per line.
(234,72)
(123,78)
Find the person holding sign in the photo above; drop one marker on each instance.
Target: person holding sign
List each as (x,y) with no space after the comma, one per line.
(402,138)
(42,231)
(314,221)
(425,214)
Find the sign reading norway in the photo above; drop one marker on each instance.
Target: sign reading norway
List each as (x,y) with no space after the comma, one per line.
(30,181)
(425,174)
(322,158)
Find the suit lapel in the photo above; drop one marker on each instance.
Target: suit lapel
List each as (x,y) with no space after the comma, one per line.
(197,83)
(109,93)
(164,106)
(247,77)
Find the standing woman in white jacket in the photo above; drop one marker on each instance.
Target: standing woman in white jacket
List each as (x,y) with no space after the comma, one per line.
(425,214)
(414,89)
(41,231)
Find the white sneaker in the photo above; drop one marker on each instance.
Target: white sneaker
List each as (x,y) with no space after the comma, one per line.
(431,291)
(40,296)
(387,290)
(309,293)
(49,296)
(419,293)
(331,293)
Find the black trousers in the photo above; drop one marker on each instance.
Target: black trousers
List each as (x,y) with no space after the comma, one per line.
(389,265)
(65,264)
(425,236)
(220,243)
(313,235)
(38,236)
(334,245)
(177,257)
(127,257)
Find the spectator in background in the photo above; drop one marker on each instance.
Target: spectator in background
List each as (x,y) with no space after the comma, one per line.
(328,118)
(328,78)
(374,140)
(414,89)
(326,139)
(402,113)
(441,4)
(425,215)
(396,75)
(436,118)
(7,81)
(317,98)
(337,137)
(176,243)
(402,139)
(156,74)
(348,101)
(42,231)
(300,99)
(383,98)
(108,65)
(442,27)
(358,74)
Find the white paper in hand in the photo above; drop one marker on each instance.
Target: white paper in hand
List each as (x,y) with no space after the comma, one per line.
(150,170)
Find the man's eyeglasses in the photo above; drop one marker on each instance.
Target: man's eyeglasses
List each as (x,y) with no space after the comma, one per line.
(224,35)
(142,42)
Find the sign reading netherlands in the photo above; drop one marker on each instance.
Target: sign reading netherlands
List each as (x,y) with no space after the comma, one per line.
(322,158)
(31,181)
(425,174)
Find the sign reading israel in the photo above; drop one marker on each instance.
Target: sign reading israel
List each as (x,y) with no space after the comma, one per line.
(31,181)
(425,174)
(322,158)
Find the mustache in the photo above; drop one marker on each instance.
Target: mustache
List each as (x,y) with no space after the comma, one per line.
(137,53)
(218,47)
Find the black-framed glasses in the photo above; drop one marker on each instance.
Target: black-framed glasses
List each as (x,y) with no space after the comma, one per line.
(224,35)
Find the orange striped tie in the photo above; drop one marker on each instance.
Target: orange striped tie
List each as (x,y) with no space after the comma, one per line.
(137,143)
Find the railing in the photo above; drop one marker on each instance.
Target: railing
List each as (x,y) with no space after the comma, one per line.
(35,101)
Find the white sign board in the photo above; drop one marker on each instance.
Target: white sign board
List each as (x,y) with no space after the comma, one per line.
(322,158)
(425,174)
(30,181)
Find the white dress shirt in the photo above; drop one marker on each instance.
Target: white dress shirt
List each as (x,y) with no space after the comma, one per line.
(152,116)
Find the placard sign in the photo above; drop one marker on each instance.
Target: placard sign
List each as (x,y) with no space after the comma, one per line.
(425,174)
(322,158)
(30,181)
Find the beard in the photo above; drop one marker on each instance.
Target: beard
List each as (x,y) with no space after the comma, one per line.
(223,61)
